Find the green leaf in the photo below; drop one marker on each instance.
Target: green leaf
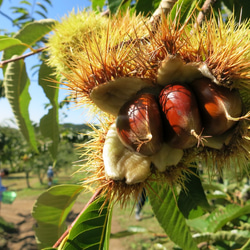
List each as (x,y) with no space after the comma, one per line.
(40,13)
(49,123)
(51,210)
(214,187)
(7,42)
(108,229)
(114,5)
(221,215)
(199,224)
(49,2)
(97,4)
(49,128)
(19,10)
(144,6)
(26,2)
(43,7)
(236,236)
(30,34)
(246,246)
(218,218)
(90,229)
(192,197)
(16,84)
(184,8)
(170,217)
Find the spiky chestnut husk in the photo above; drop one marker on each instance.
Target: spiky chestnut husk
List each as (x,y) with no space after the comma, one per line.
(171,53)
(173,172)
(75,30)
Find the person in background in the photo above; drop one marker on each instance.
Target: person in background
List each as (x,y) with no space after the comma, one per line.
(50,175)
(140,203)
(3,173)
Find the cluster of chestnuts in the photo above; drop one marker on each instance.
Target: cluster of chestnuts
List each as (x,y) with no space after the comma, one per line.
(181,115)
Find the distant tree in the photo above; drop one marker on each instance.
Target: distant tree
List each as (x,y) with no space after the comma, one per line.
(11,147)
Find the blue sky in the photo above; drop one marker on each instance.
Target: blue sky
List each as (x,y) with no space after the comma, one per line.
(59,9)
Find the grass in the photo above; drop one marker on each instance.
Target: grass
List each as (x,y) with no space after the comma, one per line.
(124,217)
(7,227)
(150,232)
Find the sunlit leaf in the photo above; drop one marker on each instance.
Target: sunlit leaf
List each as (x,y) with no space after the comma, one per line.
(218,218)
(49,128)
(26,2)
(19,10)
(90,229)
(170,217)
(6,42)
(30,34)
(2,91)
(51,210)
(49,123)
(184,8)
(199,224)
(97,4)
(16,84)
(108,229)
(221,215)
(236,236)
(22,17)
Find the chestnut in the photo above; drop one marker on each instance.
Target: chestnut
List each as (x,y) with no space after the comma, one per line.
(182,126)
(139,124)
(220,107)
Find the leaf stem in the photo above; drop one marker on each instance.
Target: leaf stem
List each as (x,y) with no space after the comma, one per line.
(73,223)
(2,63)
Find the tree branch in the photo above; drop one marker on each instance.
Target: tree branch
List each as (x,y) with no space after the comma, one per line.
(164,7)
(204,10)
(2,63)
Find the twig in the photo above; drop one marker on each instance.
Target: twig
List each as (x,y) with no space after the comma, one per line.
(73,223)
(164,7)
(22,56)
(204,10)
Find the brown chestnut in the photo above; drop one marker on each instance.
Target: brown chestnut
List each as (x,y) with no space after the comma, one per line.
(182,124)
(220,107)
(139,124)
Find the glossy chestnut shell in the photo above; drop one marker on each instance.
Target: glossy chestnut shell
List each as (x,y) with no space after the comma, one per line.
(215,104)
(139,124)
(182,118)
